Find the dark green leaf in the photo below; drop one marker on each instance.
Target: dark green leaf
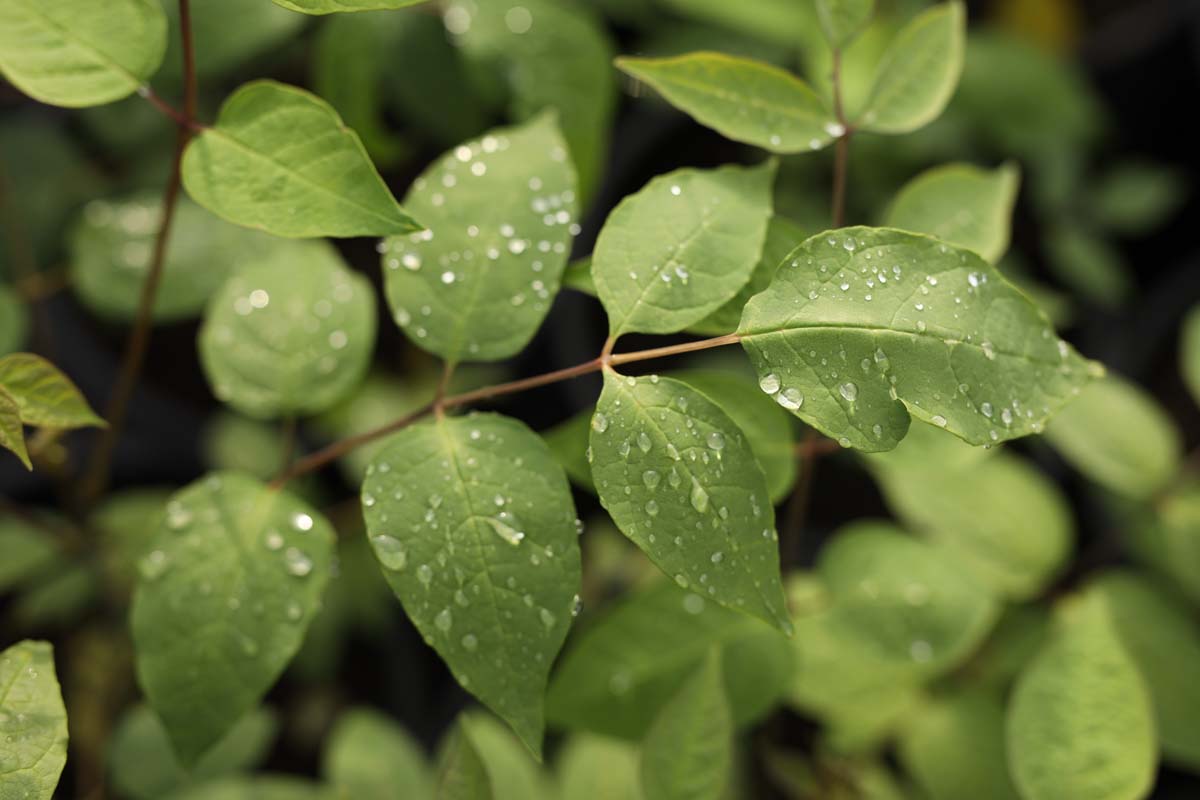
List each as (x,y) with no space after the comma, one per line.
(14,321)
(28,551)
(1134,198)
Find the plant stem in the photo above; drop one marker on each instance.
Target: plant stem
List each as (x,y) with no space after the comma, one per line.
(841,149)
(99,467)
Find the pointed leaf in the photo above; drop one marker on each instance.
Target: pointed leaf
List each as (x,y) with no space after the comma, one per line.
(681,247)
(14,321)
(1080,722)
(743,99)
(479,291)
(513,772)
(680,480)
(12,430)
(46,396)
(33,722)
(79,53)
(919,72)
(370,755)
(336,6)
(962,205)
(865,326)
(281,160)
(461,774)
(292,335)
(842,20)
(225,596)
(688,752)
(474,526)
(598,768)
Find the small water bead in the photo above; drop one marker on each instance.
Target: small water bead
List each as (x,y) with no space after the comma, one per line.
(651,478)
(769,383)
(790,398)
(698,497)
(576,605)
(424,575)
(294,612)
(273,540)
(390,552)
(548,619)
(920,650)
(717,557)
(1006,416)
(675,190)
(651,508)
(988,350)
(674,478)
(716,440)
(986,409)
(599,422)
(848,391)
(444,620)
(505,531)
(643,442)
(302,521)
(153,565)
(296,562)
(938,420)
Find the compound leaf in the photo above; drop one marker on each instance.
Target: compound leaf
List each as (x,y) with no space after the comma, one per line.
(280,159)
(45,395)
(33,747)
(473,523)
(225,596)
(447,284)
(336,6)
(863,327)
(369,755)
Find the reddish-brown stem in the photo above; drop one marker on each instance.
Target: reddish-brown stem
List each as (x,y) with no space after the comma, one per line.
(675,349)
(841,148)
(797,508)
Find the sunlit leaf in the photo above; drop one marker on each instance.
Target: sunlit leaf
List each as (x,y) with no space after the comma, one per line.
(33,748)
(45,396)
(368,755)
(513,772)
(598,768)
(1167,536)
(12,429)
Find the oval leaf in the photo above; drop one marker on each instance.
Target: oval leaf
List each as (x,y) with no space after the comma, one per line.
(473,523)
(369,755)
(33,747)
(681,247)
(743,99)
(481,290)
(78,53)
(45,395)
(292,335)
(680,480)
(281,160)
(224,599)
(864,326)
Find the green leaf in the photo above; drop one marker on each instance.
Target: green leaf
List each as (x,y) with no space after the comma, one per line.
(28,551)
(673,468)
(292,335)
(598,768)
(568,441)
(78,53)
(480,291)
(14,321)
(1167,537)
(258,787)
(1080,723)
(767,428)
(281,160)
(681,247)
(33,749)
(112,244)
(368,755)
(461,774)
(143,766)
(688,751)
(1160,636)
(1134,198)
(336,6)
(45,395)
(624,667)
(1089,265)
(263,29)
(1189,352)
(842,20)
(1003,519)
(954,748)
(919,72)
(474,526)
(12,430)
(1136,456)
(743,99)
(513,772)
(784,22)
(235,576)
(962,205)
(782,237)
(865,326)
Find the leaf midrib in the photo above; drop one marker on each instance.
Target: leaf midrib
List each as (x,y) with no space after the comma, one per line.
(65,33)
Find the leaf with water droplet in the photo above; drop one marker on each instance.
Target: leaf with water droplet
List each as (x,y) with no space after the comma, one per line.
(960,204)
(744,99)
(369,755)
(291,336)
(711,501)
(681,247)
(501,212)
(944,337)
(211,624)
(1080,722)
(281,160)
(33,722)
(460,543)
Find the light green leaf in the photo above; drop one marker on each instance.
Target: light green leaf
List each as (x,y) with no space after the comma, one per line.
(598,768)
(33,747)
(259,787)
(474,526)
(479,291)
(79,53)
(681,247)
(1189,352)
(1160,636)
(784,22)
(1003,519)
(14,321)
(1168,537)
(688,751)
(143,766)
(369,756)
(954,748)
(962,205)
(461,774)
(112,244)
(1119,436)
(625,666)
(292,335)
(842,20)
(1013,642)
(281,160)
(45,395)
(1080,722)
(782,237)
(28,551)
(918,73)
(673,469)
(336,6)
(1134,198)
(12,429)
(512,771)
(235,576)
(743,99)
(865,326)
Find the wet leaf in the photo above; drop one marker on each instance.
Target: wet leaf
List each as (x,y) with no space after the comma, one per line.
(33,748)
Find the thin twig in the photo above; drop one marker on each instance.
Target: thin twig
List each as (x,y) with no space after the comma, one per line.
(841,149)
(797,508)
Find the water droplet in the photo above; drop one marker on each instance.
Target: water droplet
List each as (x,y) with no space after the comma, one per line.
(769,383)
(153,565)
(390,552)
(651,478)
(938,420)
(698,497)
(716,440)
(790,398)
(424,575)
(717,557)
(576,605)
(444,620)
(643,442)
(296,562)
(652,508)
(985,408)
(547,618)
(469,642)
(599,422)
(506,531)
(302,521)
(849,391)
